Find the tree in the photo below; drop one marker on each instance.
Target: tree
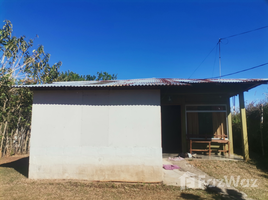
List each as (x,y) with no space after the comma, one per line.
(19,65)
(18,62)
(72,76)
(255,129)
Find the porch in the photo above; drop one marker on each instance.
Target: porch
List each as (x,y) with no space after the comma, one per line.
(199,120)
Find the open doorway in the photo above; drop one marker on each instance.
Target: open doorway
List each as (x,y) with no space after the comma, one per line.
(171,128)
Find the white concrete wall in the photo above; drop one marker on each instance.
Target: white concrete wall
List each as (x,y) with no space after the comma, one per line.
(106,135)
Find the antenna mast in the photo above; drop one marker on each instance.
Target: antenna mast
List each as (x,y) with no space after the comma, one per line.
(220,56)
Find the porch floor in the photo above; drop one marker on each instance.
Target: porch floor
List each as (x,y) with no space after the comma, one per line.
(177,177)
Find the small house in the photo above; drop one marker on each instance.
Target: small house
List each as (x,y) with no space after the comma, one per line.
(118,130)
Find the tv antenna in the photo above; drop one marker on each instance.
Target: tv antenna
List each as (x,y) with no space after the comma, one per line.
(219,42)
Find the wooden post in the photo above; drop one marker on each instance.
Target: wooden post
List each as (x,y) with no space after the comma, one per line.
(230,128)
(191,146)
(183,128)
(209,149)
(244,126)
(261,129)
(228,149)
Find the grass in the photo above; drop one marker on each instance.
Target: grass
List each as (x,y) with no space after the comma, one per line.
(254,169)
(14,184)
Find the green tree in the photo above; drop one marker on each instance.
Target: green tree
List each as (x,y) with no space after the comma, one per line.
(72,76)
(255,130)
(19,64)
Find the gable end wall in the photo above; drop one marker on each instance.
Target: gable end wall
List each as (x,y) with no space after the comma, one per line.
(100,135)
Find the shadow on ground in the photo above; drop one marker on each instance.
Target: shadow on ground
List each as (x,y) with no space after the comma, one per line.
(20,165)
(261,163)
(218,193)
(214,194)
(189,196)
(227,193)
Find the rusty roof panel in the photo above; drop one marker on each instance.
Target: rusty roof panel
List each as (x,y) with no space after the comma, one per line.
(143,82)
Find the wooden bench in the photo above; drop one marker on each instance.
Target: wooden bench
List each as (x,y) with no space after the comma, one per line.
(203,150)
(209,141)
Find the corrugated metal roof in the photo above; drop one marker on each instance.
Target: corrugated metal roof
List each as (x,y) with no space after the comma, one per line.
(143,82)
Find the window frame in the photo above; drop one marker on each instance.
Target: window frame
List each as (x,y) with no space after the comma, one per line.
(207,111)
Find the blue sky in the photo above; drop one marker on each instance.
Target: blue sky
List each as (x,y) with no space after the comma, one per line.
(144,39)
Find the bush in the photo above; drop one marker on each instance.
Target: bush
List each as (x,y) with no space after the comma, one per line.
(253,112)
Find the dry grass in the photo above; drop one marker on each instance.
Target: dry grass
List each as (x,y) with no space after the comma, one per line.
(250,170)
(14,184)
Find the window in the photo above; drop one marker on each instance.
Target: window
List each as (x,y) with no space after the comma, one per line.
(207,121)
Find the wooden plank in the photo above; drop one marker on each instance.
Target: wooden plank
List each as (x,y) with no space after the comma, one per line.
(200,149)
(205,137)
(230,128)
(207,141)
(215,146)
(220,141)
(194,141)
(244,126)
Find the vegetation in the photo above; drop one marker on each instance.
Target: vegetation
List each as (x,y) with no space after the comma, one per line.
(71,76)
(20,63)
(257,132)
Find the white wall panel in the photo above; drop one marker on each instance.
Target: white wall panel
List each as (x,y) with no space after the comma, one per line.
(108,135)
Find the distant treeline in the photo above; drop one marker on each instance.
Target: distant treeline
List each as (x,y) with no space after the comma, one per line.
(72,76)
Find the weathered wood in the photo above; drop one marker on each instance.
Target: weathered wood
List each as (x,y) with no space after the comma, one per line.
(244,126)
(209,142)
(230,128)
(229,153)
(209,153)
(2,142)
(200,142)
(205,137)
(26,142)
(200,149)
(261,131)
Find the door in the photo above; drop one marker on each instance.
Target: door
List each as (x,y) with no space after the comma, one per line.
(171,129)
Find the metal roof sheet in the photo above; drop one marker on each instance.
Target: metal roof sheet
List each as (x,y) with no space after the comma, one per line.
(143,82)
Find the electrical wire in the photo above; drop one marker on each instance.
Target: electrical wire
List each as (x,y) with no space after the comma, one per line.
(244,32)
(220,39)
(214,62)
(204,59)
(239,71)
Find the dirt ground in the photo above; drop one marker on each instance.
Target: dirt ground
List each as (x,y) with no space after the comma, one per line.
(14,184)
(12,158)
(251,171)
